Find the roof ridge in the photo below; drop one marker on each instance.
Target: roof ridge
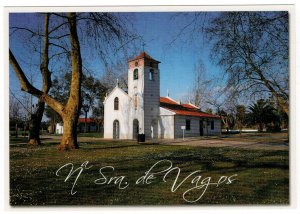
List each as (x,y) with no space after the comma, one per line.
(145,55)
(192,105)
(172,99)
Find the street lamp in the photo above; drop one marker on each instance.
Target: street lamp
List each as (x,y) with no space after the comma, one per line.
(85,109)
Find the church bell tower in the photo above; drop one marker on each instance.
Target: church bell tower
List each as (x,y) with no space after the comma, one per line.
(144,92)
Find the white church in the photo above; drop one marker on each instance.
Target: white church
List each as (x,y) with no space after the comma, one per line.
(141,110)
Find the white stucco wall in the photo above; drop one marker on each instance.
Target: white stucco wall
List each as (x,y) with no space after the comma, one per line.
(122,115)
(166,124)
(195,126)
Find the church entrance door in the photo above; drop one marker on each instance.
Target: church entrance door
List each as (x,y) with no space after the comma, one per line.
(135,130)
(116,129)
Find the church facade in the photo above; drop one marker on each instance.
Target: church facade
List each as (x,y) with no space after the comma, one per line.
(141,110)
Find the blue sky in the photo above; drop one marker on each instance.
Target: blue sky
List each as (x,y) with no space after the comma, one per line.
(158,30)
(178,59)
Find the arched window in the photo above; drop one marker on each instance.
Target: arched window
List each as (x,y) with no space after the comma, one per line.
(151,72)
(135,74)
(116,129)
(116,103)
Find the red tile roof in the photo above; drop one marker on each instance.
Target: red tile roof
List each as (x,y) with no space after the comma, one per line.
(167,100)
(194,113)
(183,109)
(190,106)
(143,55)
(88,120)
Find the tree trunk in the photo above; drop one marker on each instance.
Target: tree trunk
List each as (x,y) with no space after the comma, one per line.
(240,129)
(98,127)
(36,117)
(16,129)
(260,127)
(71,111)
(35,125)
(282,102)
(69,138)
(53,127)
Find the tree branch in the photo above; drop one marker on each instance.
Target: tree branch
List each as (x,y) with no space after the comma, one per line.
(59,15)
(57,27)
(26,29)
(59,37)
(26,86)
(59,46)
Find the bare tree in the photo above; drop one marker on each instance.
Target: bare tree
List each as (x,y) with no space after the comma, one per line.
(115,72)
(37,111)
(37,115)
(240,117)
(203,88)
(15,114)
(252,47)
(70,111)
(102,27)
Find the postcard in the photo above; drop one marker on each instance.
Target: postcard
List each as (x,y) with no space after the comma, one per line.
(160,106)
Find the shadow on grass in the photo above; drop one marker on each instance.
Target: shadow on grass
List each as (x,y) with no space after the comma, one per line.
(113,147)
(88,145)
(208,158)
(286,143)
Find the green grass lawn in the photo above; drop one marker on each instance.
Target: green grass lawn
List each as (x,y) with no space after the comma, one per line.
(258,137)
(19,139)
(91,134)
(262,176)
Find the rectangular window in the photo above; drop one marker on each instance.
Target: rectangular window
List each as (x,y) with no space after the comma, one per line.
(135,74)
(187,124)
(151,72)
(212,125)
